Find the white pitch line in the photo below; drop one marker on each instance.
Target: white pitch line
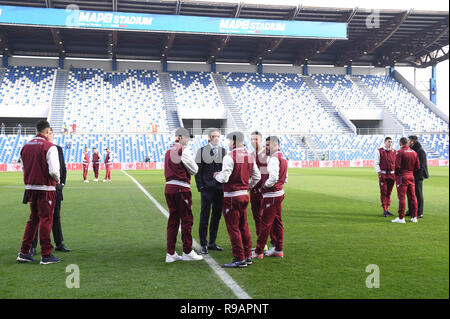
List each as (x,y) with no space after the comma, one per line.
(223,275)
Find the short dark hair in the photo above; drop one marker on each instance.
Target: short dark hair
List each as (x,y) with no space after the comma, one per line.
(273,139)
(236,136)
(403,141)
(42,125)
(413,138)
(256,133)
(388,138)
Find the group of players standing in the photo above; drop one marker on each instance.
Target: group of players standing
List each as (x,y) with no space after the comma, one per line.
(263,173)
(96,159)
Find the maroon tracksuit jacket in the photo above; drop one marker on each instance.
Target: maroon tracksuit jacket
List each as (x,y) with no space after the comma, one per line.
(40,188)
(406,163)
(386,177)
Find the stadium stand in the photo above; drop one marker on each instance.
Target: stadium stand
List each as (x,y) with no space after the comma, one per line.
(114,101)
(26,91)
(129,103)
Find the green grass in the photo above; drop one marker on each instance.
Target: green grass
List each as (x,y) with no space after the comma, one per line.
(333,230)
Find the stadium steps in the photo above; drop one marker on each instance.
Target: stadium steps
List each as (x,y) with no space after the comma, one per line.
(326,104)
(228,101)
(431,153)
(2,75)
(377,102)
(169,101)
(56,115)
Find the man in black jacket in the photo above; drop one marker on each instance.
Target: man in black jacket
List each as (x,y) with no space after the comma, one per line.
(419,175)
(56,228)
(209,160)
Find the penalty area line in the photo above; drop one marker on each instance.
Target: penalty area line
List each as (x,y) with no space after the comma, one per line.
(223,275)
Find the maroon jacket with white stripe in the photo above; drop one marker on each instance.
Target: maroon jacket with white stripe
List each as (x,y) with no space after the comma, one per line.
(277,168)
(178,168)
(237,169)
(40,164)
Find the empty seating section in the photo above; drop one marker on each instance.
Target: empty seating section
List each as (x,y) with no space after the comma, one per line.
(278,103)
(342,92)
(408,109)
(26,91)
(118,110)
(194,90)
(99,101)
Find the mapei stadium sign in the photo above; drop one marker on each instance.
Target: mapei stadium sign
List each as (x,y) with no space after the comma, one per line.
(71,18)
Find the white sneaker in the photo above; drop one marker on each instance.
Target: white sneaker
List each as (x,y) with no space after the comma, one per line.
(192,256)
(95,180)
(270,250)
(172,258)
(86,181)
(398,220)
(413,220)
(104,181)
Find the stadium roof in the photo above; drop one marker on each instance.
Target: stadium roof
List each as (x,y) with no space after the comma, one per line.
(402,37)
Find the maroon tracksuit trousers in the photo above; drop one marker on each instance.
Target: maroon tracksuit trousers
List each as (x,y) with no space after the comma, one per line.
(386,182)
(271,222)
(85,171)
(180,210)
(42,204)
(406,186)
(235,214)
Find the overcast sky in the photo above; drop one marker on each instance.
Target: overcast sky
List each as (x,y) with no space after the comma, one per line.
(422,75)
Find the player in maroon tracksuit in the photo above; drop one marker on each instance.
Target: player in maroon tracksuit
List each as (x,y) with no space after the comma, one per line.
(85,160)
(108,164)
(237,169)
(95,163)
(385,168)
(178,168)
(406,163)
(40,162)
(273,195)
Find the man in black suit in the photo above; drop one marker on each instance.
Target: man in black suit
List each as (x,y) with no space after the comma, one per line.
(419,175)
(209,160)
(56,228)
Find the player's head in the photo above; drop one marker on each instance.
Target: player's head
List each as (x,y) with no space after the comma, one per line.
(236,139)
(272,144)
(413,139)
(388,142)
(94,149)
(183,136)
(256,140)
(107,149)
(214,136)
(50,135)
(403,141)
(42,127)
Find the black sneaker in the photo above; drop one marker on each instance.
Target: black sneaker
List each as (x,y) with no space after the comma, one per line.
(204,250)
(50,260)
(248,261)
(215,247)
(62,248)
(25,258)
(389,213)
(236,264)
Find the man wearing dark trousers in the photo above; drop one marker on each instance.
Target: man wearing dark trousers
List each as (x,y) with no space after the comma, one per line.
(209,160)
(419,175)
(56,227)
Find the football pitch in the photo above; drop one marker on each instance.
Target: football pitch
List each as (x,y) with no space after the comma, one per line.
(334,230)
